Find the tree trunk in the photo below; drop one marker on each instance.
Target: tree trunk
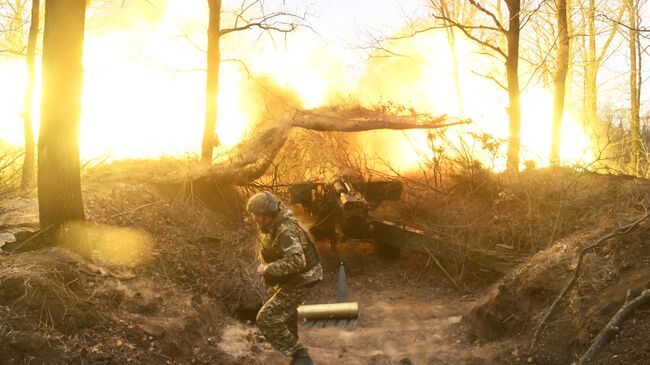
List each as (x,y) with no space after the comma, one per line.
(585,66)
(59,181)
(594,59)
(28,162)
(499,13)
(451,39)
(591,67)
(635,123)
(210,139)
(560,81)
(568,100)
(514,93)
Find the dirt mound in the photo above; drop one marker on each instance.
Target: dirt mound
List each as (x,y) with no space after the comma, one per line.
(145,281)
(58,305)
(203,240)
(512,309)
(511,217)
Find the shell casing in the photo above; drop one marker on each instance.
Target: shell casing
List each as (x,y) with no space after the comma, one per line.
(333,310)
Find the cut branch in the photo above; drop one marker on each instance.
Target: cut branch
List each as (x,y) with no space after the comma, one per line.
(251,158)
(361,119)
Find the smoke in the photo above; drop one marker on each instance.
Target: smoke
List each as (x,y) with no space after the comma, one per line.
(144,85)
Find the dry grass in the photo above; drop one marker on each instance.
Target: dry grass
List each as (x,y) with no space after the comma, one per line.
(202,241)
(44,290)
(10,168)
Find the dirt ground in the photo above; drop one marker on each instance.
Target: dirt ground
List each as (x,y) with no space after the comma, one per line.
(169,279)
(405,319)
(409,314)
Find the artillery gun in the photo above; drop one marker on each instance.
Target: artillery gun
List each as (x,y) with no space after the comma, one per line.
(342,210)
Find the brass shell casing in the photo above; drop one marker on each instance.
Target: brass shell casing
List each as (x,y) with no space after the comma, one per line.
(327,311)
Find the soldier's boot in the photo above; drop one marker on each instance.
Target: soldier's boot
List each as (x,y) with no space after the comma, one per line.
(301,357)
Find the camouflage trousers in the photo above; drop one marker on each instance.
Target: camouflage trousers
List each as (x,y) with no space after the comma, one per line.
(278,318)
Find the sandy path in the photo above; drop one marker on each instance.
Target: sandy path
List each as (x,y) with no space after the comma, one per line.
(396,329)
(403,320)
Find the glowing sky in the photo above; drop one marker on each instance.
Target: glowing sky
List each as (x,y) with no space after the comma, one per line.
(144,85)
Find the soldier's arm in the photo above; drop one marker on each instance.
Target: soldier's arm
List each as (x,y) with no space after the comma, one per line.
(294,258)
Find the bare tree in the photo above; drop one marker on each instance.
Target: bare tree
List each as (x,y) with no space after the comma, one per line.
(213,60)
(569,99)
(13,21)
(635,85)
(559,81)
(12,27)
(484,34)
(593,59)
(279,21)
(451,40)
(28,162)
(59,181)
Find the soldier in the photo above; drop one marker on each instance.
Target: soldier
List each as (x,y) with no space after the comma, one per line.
(291,266)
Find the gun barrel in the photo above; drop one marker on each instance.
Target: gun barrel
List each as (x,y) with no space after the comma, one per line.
(339,187)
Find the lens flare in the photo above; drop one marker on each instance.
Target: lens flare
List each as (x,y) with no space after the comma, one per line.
(109,244)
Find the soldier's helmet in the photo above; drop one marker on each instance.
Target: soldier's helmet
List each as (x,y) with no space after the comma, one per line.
(263,203)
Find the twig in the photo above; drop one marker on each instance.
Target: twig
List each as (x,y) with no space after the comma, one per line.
(129,212)
(614,325)
(617,232)
(433,257)
(29,239)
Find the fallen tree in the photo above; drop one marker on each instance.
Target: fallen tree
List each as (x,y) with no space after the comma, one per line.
(251,158)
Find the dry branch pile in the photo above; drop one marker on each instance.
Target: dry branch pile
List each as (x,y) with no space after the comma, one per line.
(11,159)
(250,159)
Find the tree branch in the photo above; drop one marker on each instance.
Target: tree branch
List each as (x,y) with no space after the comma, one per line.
(466,31)
(446,26)
(265,24)
(490,77)
(490,14)
(603,51)
(360,119)
(614,325)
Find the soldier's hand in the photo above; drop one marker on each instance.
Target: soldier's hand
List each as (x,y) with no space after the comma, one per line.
(261,269)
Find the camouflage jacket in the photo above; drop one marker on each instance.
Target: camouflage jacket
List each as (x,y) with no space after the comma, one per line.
(284,245)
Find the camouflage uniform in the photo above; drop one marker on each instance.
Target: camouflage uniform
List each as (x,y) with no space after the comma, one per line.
(293,269)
